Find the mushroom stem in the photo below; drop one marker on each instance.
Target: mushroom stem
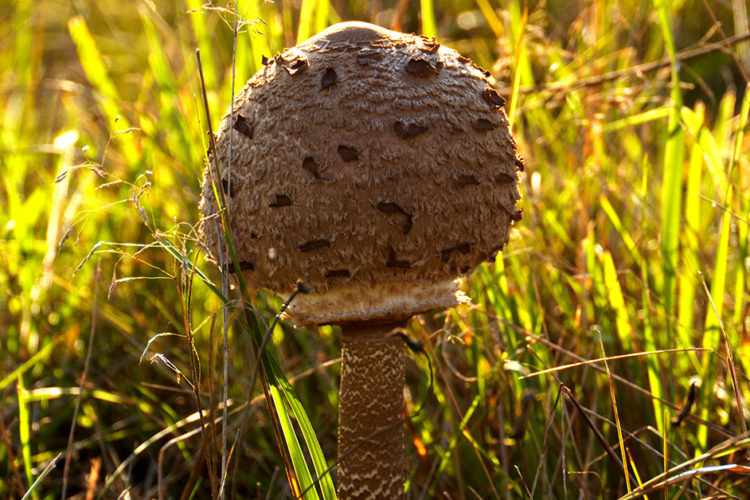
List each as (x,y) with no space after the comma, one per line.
(371,408)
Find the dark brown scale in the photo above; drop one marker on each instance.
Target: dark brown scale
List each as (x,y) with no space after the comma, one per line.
(466,180)
(348,153)
(520,164)
(407,131)
(297,66)
(429,45)
(292,67)
(337,273)
(328,79)
(281,200)
(244,266)
(446,253)
(231,190)
(484,124)
(243,126)
(455,127)
(310,165)
(419,67)
(464,248)
(398,264)
(491,96)
(394,262)
(504,178)
(407,225)
(314,245)
(264,60)
(365,58)
(515,215)
(389,207)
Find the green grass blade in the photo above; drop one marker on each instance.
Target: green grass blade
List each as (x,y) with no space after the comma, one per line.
(712,326)
(650,115)
(259,48)
(322,14)
(671,201)
(96,71)
(201,30)
(614,218)
(31,493)
(521,66)
(445,459)
(650,342)
(616,299)
(254,41)
(742,181)
(179,143)
(24,432)
(306,19)
(689,280)
(427,10)
(325,484)
(492,18)
(295,409)
(43,353)
(293,446)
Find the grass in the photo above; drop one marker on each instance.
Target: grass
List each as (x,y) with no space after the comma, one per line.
(626,281)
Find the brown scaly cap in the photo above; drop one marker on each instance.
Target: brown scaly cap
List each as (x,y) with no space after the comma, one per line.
(376,166)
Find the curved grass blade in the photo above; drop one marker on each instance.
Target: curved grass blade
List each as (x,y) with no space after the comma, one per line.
(31,493)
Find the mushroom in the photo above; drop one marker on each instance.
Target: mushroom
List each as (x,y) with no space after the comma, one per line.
(379,168)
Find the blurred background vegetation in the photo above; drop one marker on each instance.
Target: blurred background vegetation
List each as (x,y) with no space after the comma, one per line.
(632,117)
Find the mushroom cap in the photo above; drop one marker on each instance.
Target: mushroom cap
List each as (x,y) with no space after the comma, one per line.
(378,167)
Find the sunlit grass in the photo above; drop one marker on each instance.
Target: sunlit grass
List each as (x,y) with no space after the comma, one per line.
(634,246)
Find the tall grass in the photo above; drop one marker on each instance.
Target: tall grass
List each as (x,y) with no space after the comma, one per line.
(626,281)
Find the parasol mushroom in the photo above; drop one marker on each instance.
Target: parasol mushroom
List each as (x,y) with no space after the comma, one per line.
(379,168)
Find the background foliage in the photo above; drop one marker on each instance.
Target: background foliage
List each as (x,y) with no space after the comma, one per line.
(632,116)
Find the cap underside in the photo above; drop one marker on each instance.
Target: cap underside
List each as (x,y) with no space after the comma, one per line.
(382,302)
